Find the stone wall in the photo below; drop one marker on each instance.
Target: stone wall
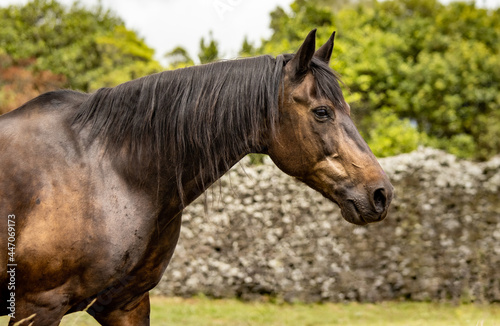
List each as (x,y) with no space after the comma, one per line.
(262,233)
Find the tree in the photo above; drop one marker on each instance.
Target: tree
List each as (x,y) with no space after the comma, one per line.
(208,52)
(418,71)
(19,84)
(179,58)
(90,47)
(247,48)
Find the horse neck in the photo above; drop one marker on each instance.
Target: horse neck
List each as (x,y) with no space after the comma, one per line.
(216,123)
(195,185)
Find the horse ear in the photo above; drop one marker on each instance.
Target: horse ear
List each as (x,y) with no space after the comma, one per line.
(325,52)
(299,65)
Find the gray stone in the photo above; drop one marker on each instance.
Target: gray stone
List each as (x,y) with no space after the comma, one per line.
(260,232)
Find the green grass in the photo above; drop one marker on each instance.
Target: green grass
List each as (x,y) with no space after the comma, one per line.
(202,311)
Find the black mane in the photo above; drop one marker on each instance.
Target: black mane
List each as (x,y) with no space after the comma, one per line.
(198,118)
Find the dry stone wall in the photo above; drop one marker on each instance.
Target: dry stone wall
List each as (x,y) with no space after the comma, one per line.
(260,232)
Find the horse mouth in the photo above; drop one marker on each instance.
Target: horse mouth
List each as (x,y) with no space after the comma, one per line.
(357,209)
(351,213)
(348,209)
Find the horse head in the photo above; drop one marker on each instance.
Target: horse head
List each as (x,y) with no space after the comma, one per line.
(316,140)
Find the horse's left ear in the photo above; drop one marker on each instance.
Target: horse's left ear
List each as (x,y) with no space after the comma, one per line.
(325,52)
(299,65)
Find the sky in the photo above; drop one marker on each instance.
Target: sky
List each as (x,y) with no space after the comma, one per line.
(166,24)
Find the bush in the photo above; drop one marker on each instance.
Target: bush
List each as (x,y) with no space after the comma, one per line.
(389,135)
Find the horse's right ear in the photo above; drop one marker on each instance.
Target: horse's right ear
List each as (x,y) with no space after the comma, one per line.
(299,65)
(325,52)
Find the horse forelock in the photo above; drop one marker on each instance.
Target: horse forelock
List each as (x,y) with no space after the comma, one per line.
(328,84)
(327,81)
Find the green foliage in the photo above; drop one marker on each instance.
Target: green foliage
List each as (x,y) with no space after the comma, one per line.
(389,135)
(121,48)
(432,64)
(257,159)
(418,72)
(290,29)
(179,58)
(92,48)
(247,49)
(208,52)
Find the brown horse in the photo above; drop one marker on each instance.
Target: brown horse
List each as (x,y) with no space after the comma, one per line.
(92,187)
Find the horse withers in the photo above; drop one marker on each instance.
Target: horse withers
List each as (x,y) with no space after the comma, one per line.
(92,186)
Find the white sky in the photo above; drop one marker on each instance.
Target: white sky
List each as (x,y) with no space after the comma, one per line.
(165,24)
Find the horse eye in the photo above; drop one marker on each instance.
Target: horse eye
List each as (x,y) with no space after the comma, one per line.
(321,113)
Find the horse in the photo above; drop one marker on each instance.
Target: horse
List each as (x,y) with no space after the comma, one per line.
(92,186)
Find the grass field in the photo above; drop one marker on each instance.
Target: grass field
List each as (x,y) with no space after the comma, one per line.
(201,312)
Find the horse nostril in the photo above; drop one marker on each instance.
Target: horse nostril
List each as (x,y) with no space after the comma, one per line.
(379,200)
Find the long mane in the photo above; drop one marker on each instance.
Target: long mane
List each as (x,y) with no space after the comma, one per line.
(195,119)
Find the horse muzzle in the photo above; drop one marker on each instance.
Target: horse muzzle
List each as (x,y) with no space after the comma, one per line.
(367,206)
